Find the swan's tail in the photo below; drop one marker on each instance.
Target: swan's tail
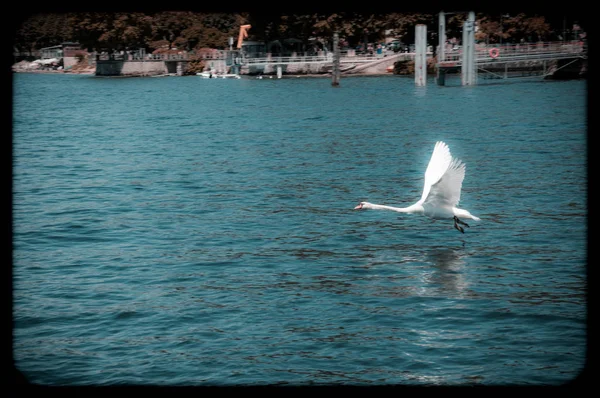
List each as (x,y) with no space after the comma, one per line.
(462,213)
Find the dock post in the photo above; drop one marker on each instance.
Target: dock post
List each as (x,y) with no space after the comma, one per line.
(544,71)
(468,70)
(441,53)
(441,76)
(420,55)
(473,64)
(335,73)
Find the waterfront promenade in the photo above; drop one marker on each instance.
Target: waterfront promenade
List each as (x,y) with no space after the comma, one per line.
(488,59)
(221,61)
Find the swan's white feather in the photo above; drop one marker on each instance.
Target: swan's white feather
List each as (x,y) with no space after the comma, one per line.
(446,192)
(438,165)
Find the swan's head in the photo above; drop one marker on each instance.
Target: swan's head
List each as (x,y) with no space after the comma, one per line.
(363,206)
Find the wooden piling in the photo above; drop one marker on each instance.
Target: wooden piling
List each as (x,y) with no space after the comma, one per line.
(441,52)
(441,76)
(420,55)
(468,69)
(335,73)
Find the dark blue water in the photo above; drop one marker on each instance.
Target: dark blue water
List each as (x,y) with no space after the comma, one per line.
(184,231)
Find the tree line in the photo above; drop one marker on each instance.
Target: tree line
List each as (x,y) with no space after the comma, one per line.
(97,31)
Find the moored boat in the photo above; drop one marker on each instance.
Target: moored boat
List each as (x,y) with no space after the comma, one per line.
(210,75)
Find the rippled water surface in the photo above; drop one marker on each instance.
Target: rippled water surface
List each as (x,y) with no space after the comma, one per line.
(184,231)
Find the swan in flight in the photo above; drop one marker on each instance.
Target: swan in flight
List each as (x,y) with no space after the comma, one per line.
(443,181)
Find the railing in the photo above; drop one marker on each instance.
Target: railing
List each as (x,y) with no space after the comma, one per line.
(398,56)
(351,56)
(168,57)
(521,52)
(345,57)
(216,55)
(289,60)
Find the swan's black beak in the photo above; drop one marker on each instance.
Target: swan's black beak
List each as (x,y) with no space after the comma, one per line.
(358,207)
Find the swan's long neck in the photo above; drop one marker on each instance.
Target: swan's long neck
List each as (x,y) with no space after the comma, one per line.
(410,209)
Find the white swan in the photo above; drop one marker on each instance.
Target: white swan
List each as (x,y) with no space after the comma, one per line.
(441,192)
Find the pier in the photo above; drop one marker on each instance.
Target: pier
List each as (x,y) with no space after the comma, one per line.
(497,60)
(349,63)
(138,63)
(347,58)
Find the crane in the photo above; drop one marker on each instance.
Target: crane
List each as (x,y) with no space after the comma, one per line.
(243,34)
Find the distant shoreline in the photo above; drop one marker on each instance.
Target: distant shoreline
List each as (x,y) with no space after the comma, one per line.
(86,71)
(53,72)
(285,76)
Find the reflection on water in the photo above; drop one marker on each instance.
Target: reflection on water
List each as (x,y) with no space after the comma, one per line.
(420,271)
(448,270)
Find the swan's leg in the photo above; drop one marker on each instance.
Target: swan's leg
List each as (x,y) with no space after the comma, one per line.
(456,219)
(458,226)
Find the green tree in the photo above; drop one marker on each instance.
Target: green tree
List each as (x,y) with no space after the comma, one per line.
(490,30)
(297,26)
(520,27)
(192,30)
(43,30)
(169,25)
(213,30)
(89,27)
(403,24)
(126,30)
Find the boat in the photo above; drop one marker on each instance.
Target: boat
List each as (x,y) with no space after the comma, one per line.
(228,76)
(164,75)
(210,75)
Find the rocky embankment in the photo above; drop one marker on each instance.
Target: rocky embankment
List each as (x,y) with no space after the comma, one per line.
(35,67)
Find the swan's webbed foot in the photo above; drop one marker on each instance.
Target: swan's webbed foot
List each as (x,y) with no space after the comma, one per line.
(457,221)
(459,227)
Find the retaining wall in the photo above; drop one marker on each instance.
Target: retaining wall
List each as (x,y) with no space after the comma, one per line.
(130,68)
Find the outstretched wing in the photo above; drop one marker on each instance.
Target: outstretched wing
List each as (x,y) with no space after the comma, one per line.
(438,165)
(446,192)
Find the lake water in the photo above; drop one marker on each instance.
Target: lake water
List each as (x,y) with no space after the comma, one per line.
(185,231)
